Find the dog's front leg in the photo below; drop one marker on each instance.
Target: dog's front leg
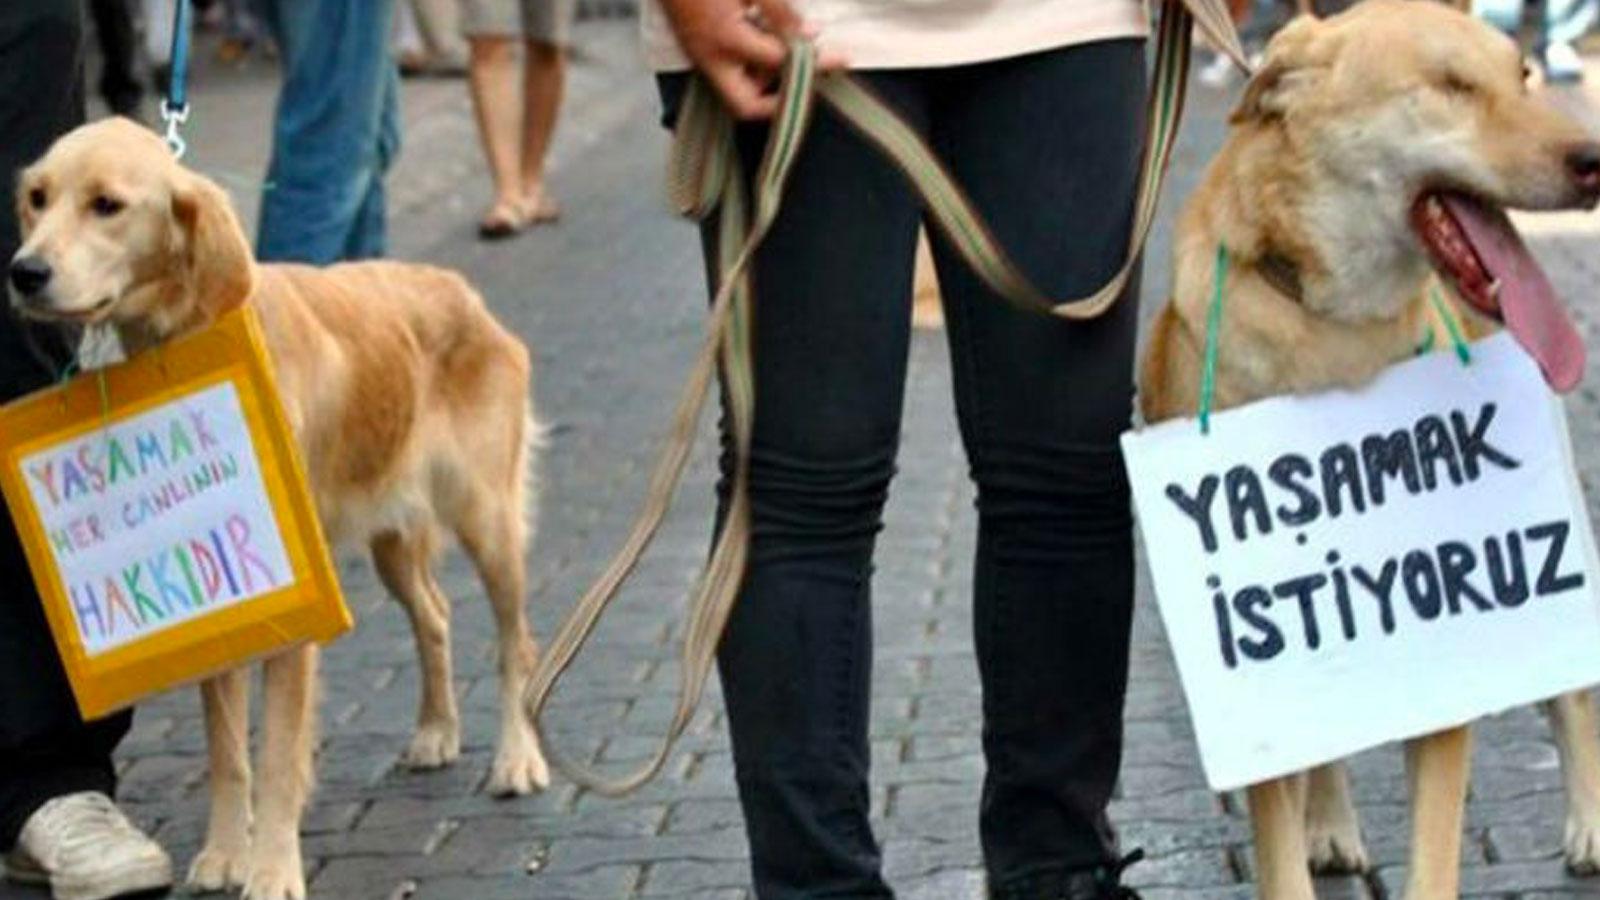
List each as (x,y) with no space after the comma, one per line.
(1572,720)
(1333,832)
(403,562)
(1278,819)
(1438,768)
(222,862)
(288,735)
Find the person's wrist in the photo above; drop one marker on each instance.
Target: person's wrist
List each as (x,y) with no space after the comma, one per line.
(692,23)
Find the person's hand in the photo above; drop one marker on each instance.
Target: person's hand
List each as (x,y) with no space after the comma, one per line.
(740,47)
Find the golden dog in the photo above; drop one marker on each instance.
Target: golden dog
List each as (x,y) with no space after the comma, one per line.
(1373,150)
(412,407)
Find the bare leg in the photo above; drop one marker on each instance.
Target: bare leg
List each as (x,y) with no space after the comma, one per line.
(544,83)
(1278,818)
(1572,720)
(222,862)
(402,563)
(1333,832)
(492,75)
(288,739)
(1438,768)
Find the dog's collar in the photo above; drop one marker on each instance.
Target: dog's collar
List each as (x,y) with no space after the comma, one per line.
(1281,272)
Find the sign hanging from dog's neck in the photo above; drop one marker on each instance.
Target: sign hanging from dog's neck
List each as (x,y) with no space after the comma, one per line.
(1395,556)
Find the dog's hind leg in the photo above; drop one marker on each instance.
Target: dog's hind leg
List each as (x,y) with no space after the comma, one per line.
(403,562)
(1333,832)
(1438,768)
(288,739)
(222,862)
(492,532)
(1278,820)
(1572,719)
(519,763)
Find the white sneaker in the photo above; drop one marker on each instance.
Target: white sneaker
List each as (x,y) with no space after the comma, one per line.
(84,848)
(1562,63)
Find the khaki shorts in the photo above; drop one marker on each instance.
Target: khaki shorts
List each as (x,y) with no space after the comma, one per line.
(549,21)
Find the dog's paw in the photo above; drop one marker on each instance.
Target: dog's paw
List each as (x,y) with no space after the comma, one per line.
(1583,845)
(1336,849)
(434,746)
(280,878)
(218,868)
(518,772)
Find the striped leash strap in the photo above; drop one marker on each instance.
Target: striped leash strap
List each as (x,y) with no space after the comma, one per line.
(726,343)
(705,178)
(964,228)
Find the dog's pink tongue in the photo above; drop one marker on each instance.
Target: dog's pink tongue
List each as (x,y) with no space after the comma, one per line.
(1528,303)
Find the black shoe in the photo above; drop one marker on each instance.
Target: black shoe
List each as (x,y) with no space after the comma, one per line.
(1108,880)
(1099,883)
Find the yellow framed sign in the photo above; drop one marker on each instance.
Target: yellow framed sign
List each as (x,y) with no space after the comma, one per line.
(166,517)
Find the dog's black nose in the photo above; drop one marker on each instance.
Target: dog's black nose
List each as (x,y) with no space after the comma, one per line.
(29,274)
(1583,163)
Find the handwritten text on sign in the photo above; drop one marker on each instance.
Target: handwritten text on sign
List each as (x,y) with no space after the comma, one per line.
(1340,571)
(158,519)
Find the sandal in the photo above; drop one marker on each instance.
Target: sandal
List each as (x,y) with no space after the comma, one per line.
(540,209)
(503,220)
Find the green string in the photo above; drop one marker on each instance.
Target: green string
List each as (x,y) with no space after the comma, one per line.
(1426,344)
(1208,372)
(72,369)
(1457,339)
(105,395)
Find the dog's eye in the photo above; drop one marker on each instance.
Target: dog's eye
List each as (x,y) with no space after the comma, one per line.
(1455,84)
(104,206)
(36,198)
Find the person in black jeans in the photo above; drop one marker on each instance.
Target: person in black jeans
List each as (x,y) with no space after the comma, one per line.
(1047,144)
(57,822)
(119,49)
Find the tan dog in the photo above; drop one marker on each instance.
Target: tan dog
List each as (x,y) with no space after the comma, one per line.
(1372,150)
(927,306)
(411,405)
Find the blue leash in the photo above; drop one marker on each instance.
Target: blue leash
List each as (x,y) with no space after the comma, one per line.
(175,108)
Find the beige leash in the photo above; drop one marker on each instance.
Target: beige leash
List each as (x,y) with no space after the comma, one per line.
(705,178)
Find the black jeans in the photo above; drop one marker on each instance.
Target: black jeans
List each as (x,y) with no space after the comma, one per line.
(1047,145)
(45,749)
(119,51)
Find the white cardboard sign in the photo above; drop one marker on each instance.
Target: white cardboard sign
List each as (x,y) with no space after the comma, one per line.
(1343,570)
(158,519)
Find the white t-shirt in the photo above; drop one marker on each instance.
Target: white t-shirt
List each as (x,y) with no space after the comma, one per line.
(905,34)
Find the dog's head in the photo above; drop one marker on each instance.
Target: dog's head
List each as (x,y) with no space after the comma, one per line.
(1411,128)
(114,230)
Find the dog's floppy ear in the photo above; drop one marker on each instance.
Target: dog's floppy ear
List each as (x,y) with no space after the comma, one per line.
(1291,65)
(216,255)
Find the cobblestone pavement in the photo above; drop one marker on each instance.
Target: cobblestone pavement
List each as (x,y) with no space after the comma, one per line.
(610,299)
